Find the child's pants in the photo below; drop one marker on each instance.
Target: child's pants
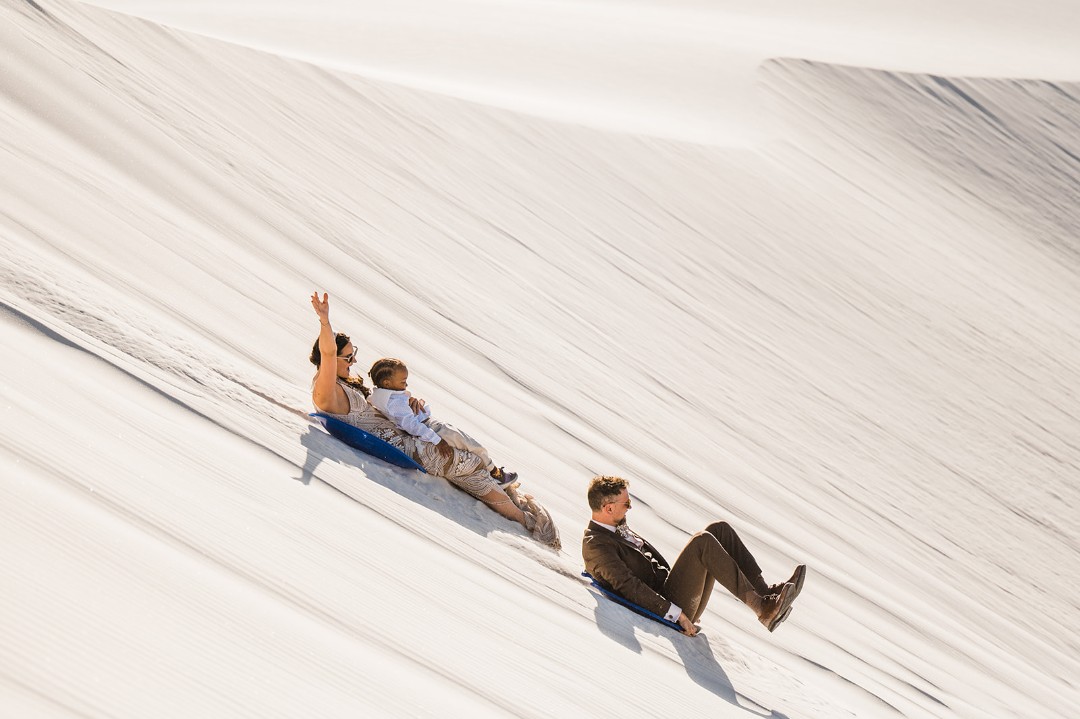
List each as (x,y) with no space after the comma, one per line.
(459,440)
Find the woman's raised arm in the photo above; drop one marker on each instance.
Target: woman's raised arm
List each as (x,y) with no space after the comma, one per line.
(326,395)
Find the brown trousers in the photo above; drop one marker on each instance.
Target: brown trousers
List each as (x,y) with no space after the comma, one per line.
(714,555)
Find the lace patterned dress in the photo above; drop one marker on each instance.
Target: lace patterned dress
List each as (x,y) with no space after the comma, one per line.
(462,469)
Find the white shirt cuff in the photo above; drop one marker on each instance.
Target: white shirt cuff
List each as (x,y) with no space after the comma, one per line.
(673,613)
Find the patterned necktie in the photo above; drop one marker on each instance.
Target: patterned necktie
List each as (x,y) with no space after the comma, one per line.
(623,530)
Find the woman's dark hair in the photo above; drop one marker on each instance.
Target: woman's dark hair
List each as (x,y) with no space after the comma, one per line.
(383,369)
(340,339)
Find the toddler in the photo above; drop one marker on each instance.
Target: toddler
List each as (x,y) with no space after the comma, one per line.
(390,396)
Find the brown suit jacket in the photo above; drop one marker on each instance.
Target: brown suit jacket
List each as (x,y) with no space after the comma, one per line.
(620,567)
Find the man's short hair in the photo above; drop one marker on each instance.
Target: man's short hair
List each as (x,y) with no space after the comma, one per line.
(604,489)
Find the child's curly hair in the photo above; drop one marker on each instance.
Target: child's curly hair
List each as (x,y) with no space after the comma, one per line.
(384,369)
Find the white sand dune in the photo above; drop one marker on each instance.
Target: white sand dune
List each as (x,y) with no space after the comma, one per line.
(857,342)
(681,69)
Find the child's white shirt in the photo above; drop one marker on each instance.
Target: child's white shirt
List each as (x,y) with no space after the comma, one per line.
(395,405)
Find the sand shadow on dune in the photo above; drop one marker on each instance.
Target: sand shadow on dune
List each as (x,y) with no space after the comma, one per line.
(426,490)
(699,660)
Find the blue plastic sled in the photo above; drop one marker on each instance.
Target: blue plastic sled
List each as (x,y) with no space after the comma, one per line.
(366,442)
(636,608)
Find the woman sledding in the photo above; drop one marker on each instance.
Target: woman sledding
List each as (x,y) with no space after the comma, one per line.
(336,393)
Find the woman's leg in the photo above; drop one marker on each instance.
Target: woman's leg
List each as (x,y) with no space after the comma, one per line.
(465,471)
(497,500)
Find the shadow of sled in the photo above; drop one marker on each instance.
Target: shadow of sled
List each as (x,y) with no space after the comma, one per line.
(393,469)
(696,653)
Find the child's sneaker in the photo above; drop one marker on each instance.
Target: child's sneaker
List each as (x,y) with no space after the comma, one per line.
(503,477)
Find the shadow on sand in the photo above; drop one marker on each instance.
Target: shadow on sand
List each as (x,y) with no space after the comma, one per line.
(426,490)
(621,625)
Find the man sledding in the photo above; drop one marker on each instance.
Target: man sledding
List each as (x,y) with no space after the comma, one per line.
(624,563)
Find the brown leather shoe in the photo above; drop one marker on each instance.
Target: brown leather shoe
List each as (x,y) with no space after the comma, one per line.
(797,578)
(776,607)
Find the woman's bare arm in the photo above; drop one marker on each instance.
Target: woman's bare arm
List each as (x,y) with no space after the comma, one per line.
(326,394)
